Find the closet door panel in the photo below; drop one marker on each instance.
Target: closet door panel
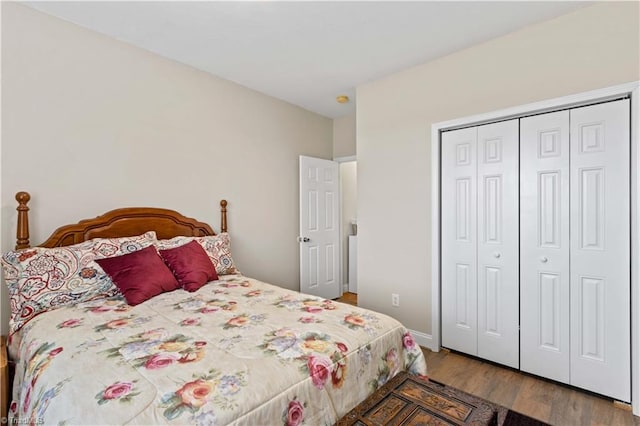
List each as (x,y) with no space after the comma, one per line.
(544,245)
(600,249)
(459,281)
(498,314)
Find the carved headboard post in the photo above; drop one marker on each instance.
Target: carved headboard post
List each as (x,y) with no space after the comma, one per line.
(223,215)
(22,235)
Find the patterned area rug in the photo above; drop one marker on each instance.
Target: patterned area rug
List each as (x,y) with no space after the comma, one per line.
(409,400)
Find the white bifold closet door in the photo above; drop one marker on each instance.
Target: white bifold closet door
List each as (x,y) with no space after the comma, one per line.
(459,242)
(480,241)
(600,249)
(544,245)
(575,247)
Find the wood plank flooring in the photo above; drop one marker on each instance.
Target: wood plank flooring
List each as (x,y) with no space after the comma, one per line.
(542,399)
(350,298)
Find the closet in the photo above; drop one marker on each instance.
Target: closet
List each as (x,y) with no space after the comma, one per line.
(480,241)
(535,245)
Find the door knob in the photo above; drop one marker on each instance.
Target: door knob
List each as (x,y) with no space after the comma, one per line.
(544,259)
(304,239)
(497,255)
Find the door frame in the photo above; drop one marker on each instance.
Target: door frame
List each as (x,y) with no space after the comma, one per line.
(631,89)
(341,160)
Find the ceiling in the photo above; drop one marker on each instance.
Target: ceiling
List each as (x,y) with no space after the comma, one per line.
(304,52)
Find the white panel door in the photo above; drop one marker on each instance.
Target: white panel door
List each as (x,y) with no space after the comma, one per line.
(459,282)
(497,236)
(319,229)
(544,245)
(600,249)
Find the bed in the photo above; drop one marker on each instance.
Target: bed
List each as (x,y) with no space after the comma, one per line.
(233,351)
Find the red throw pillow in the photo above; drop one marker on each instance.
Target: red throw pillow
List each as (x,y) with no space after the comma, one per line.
(139,275)
(190,265)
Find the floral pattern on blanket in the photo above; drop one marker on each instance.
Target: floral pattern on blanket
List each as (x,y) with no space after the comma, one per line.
(193,395)
(153,350)
(40,360)
(236,351)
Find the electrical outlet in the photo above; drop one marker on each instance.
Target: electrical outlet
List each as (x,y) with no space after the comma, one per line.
(395,299)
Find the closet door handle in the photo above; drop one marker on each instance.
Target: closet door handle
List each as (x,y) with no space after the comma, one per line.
(544,259)
(497,255)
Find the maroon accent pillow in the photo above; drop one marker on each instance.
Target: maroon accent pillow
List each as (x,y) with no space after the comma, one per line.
(139,275)
(190,265)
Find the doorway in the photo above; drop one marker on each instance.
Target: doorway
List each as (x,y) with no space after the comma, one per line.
(328,227)
(349,225)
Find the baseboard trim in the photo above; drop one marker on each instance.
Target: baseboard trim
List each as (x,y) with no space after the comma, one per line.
(424,339)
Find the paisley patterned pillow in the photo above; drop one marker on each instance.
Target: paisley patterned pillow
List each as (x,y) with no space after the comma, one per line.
(41,279)
(218,248)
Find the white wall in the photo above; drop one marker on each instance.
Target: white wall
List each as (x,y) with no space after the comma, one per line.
(90,124)
(349,209)
(594,47)
(344,136)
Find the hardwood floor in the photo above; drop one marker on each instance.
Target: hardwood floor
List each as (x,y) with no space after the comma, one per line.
(544,400)
(350,298)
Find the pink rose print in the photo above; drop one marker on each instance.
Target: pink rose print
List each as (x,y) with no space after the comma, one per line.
(117,390)
(120,391)
(319,370)
(295,413)
(313,309)
(306,320)
(117,323)
(70,323)
(160,360)
(190,321)
(99,309)
(209,309)
(55,351)
(200,344)
(341,347)
(408,342)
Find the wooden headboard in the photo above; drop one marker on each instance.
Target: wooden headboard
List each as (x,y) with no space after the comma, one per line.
(123,222)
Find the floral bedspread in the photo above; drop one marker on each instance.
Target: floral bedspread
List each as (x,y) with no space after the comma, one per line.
(237,351)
